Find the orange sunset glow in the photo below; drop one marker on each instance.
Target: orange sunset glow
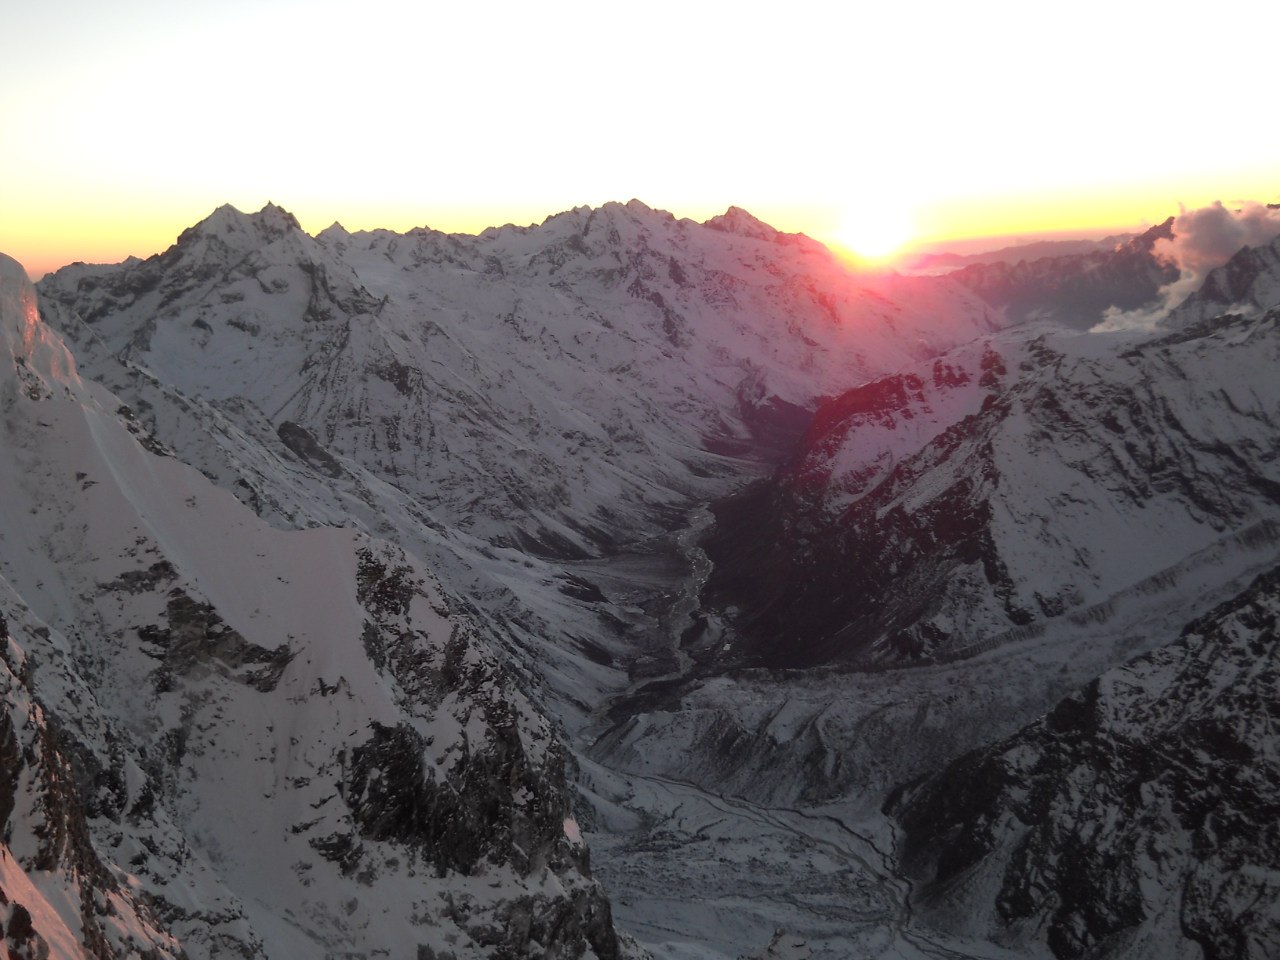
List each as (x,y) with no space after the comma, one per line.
(876,131)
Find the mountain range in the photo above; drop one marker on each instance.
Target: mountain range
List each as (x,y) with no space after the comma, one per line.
(355,585)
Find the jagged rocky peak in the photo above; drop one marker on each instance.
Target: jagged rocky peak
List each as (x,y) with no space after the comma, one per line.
(228,231)
(233,275)
(1148,238)
(604,237)
(270,221)
(632,226)
(636,208)
(335,237)
(1137,818)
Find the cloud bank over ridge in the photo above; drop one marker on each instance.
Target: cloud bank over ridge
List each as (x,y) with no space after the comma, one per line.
(1203,240)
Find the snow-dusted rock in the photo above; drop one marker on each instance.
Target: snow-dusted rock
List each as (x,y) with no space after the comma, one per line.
(1248,283)
(1139,817)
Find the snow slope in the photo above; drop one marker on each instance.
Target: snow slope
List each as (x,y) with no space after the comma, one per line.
(228,739)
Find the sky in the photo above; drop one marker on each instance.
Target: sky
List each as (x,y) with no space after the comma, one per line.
(125,121)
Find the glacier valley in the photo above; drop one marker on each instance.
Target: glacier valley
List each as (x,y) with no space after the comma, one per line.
(624,586)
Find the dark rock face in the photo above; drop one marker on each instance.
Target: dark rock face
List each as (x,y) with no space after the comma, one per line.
(811,587)
(1076,289)
(392,797)
(482,793)
(468,813)
(299,440)
(489,801)
(197,640)
(809,593)
(21,939)
(498,798)
(1145,806)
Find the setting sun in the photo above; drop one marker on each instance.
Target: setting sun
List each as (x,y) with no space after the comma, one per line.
(874,232)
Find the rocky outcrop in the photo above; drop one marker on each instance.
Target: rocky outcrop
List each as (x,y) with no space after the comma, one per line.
(58,889)
(1139,816)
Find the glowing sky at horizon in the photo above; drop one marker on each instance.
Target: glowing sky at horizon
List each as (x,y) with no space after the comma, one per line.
(125,122)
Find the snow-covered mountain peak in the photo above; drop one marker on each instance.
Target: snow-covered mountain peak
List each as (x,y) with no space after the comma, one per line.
(270,220)
(739,221)
(637,208)
(334,232)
